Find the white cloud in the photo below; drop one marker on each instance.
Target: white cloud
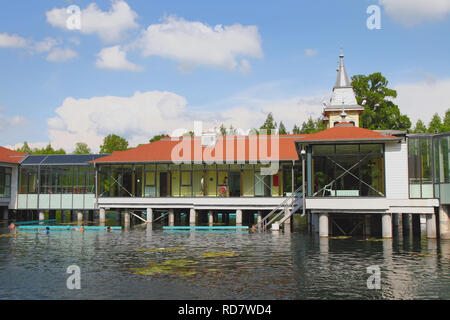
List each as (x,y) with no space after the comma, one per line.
(46,45)
(194,43)
(114,58)
(137,118)
(421,100)
(109,25)
(143,115)
(12,41)
(412,12)
(310,52)
(32,145)
(61,55)
(7,122)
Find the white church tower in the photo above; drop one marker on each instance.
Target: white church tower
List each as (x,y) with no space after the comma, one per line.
(343,100)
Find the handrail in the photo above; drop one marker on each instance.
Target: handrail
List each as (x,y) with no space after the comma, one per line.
(162,216)
(262,223)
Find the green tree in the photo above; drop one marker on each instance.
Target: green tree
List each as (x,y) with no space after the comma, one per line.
(81,148)
(446,122)
(223,130)
(113,143)
(296,129)
(158,137)
(435,125)
(379,110)
(25,148)
(282,128)
(48,150)
(420,127)
(312,126)
(270,124)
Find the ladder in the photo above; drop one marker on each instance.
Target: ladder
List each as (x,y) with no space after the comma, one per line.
(291,205)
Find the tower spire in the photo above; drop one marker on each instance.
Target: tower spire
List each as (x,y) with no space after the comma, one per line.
(342,78)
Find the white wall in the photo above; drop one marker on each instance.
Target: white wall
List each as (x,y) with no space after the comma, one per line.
(396,159)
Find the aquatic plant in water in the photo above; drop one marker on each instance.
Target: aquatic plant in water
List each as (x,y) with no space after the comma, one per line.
(219,254)
(8,235)
(170,267)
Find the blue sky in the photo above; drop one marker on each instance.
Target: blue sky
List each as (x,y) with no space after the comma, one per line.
(237,80)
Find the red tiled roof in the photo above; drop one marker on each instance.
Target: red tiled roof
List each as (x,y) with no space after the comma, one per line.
(243,147)
(10,156)
(190,149)
(347,133)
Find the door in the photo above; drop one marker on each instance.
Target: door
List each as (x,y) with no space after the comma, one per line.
(163,187)
(235,184)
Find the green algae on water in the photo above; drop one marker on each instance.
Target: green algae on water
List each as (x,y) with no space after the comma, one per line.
(340,237)
(219,254)
(180,267)
(9,235)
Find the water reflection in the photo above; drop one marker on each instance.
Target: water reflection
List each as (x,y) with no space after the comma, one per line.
(269,265)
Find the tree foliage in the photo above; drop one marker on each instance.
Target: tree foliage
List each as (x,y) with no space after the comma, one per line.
(113,143)
(270,124)
(420,127)
(312,126)
(282,128)
(44,151)
(380,113)
(81,148)
(158,137)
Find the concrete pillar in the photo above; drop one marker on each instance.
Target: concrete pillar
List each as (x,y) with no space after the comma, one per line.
(149,215)
(287,223)
(127,219)
(416,224)
(444,222)
(431,226)
(367,221)
(239,217)
(406,224)
(386,225)
(5,213)
(102,215)
(171,218)
(192,217)
(259,217)
(323,225)
(79,216)
(41,215)
(210,218)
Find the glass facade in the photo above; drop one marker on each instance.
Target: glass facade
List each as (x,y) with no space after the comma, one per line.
(348,170)
(429,166)
(56,180)
(197,180)
(420,167)
(5,182)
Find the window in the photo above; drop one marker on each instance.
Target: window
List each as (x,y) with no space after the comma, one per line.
(5,182)
(348,170)
(420,167)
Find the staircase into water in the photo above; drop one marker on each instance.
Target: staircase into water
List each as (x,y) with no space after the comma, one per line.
(285,210)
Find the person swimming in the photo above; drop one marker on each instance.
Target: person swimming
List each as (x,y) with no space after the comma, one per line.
(108,228)
(80,229)
(47,230)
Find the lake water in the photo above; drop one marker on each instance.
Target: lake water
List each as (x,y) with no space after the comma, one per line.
(269,265)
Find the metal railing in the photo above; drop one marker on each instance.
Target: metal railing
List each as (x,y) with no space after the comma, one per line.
(282,208)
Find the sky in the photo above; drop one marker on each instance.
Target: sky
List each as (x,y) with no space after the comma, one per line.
(139,68)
